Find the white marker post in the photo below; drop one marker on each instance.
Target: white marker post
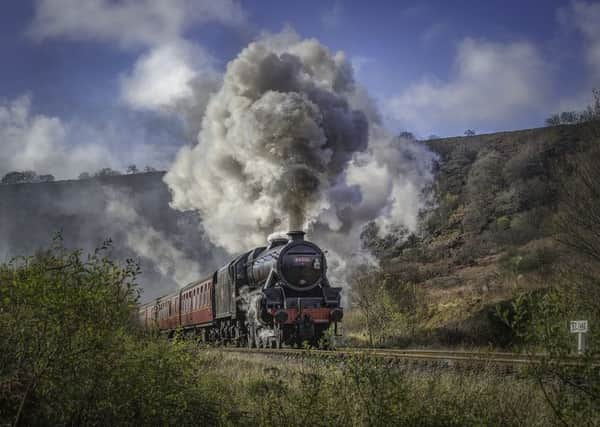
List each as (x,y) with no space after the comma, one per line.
(579,327)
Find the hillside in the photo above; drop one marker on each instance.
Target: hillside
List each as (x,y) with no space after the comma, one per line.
(132,210)
(489,229)
(491,226)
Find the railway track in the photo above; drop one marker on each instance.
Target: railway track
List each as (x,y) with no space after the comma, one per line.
(410,357)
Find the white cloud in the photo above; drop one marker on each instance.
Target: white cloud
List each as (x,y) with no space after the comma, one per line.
(173,74)
(493,82)
(40,143)
(162,76)
(128,22)
(586,18)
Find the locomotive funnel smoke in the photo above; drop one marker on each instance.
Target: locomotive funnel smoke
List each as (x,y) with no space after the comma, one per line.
(290,141)
(150,243)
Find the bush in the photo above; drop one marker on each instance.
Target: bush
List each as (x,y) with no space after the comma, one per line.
(71,352)
(540,321)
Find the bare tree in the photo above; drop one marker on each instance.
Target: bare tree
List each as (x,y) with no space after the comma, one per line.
(591,113)
(578,219)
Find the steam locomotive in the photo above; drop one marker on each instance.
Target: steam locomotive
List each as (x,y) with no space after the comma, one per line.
(267,297)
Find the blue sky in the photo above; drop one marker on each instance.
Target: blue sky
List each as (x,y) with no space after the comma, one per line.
(111,77)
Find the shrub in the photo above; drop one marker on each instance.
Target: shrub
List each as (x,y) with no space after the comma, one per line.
(71,352)
(540,320)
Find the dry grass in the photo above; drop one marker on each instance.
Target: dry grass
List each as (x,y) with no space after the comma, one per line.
(362,392)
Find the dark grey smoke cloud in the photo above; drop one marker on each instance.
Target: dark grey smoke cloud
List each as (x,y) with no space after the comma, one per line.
(291,141)
(275,138)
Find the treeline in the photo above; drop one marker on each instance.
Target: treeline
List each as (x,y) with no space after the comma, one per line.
(592,112)
(17,177)
(28,176)
(131,169)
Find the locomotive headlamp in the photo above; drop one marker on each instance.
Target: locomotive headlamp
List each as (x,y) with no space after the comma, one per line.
(281,316)
(336,315)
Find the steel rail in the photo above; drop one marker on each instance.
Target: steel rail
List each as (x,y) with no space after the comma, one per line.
(444,357)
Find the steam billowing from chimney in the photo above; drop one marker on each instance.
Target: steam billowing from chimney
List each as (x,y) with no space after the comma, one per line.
(290,142)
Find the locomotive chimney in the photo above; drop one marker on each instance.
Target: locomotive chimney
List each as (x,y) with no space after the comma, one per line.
(296,235)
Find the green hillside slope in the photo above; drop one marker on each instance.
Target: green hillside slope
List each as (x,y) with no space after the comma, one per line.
(491,228)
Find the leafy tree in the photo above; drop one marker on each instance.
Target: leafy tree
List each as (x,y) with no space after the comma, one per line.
(469,132)
(149,169)
(17,177)
(106,172)
(84,175)
(131,169)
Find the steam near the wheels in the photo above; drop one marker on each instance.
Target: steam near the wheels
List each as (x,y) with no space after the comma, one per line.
(290,141)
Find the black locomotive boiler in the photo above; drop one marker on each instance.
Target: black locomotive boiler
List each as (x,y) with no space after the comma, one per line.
(269,296)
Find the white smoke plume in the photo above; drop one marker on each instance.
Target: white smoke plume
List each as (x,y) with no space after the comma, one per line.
(150,243)
(291,139)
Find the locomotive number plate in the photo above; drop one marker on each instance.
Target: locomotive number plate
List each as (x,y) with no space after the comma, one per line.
(302,260)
